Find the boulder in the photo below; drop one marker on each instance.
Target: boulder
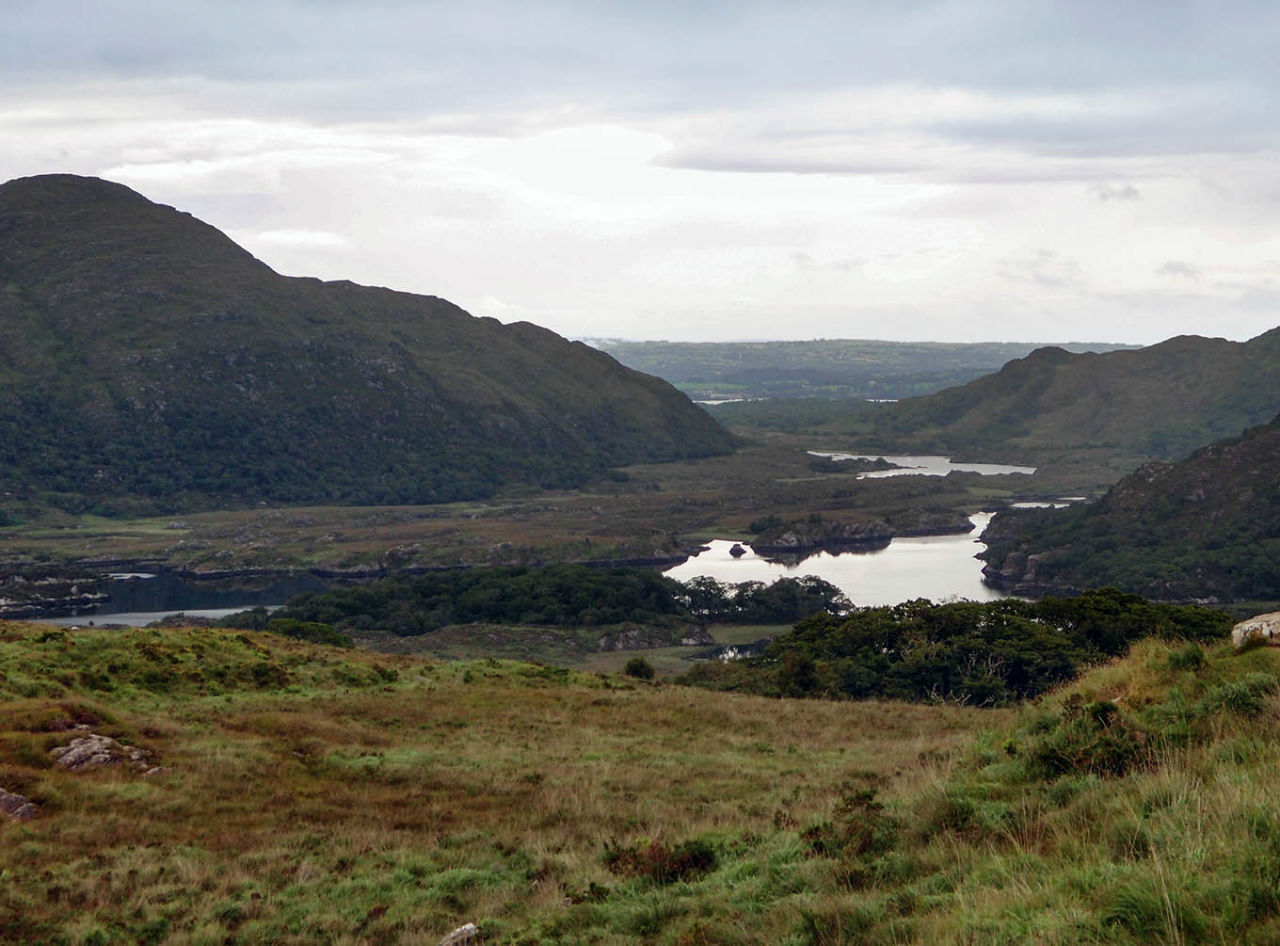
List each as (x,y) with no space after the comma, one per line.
(1264,628)
(467,933)
(16,806)
(93,751)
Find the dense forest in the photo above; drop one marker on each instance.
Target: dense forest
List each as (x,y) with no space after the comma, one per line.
(980,653)
(558,595)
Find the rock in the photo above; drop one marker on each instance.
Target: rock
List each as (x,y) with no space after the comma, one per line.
(466,933)
(17,807)
(737,551)
(1260,627)
(94,751)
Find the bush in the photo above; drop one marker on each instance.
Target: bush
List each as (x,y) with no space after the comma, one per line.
(659,862)
(639,668)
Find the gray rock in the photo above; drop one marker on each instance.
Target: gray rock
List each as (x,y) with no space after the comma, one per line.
(467,933)
(94,751)
(17,807)
(1260,627)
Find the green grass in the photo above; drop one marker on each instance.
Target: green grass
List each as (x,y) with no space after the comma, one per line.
(367,798)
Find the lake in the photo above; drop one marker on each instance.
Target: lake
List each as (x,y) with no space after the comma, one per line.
(138,599)
(917,465)
(938,567)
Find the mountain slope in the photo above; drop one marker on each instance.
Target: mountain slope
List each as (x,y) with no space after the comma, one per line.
(1206,527)
(144,354)
(1159,402)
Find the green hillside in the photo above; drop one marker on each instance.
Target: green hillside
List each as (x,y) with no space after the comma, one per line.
(1159,402)
(1208,526)
(270,791)
(143,355)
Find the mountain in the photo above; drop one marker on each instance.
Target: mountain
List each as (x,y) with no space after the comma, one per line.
(1207,527)
(824,368)
(1159,402)
(143,354)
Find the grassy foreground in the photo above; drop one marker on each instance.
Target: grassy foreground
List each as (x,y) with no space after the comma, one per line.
(310,794)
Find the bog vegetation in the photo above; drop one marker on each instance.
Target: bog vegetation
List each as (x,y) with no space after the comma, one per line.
(313,795)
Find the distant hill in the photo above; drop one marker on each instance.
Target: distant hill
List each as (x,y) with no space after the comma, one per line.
(821,368)
(1159,402)
(1206,527)
(143,354)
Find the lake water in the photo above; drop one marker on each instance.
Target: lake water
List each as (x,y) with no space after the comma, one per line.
(138,599)
(938,567)
(917,465)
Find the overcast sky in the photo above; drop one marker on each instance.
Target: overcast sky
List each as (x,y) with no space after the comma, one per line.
(1020,170)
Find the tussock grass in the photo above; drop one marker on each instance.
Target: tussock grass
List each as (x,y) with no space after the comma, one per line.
(311,794)
(366,798)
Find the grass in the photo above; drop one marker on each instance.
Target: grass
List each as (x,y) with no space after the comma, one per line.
(317,795)
(373,798)
(577,648)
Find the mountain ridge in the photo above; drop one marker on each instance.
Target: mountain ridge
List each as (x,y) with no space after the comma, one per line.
(144,354)
(1159,402)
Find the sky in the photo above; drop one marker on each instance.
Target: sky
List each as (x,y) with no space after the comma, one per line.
(907,169)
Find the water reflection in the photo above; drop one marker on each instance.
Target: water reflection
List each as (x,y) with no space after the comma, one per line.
(923,465)
(938,567)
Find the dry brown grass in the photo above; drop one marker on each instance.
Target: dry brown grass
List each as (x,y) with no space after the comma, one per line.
(389,810)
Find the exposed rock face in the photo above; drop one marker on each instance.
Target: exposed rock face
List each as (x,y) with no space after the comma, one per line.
(16,806)
(1260,627)
(93,751)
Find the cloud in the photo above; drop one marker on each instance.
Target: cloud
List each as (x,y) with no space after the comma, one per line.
(1122,192)
(1044,268)
(1180,270)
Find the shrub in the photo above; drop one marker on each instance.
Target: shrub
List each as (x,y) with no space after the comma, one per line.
(639,668)
(659,862)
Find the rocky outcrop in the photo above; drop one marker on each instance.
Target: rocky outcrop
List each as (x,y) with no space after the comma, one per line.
(94,751)
(1259,629)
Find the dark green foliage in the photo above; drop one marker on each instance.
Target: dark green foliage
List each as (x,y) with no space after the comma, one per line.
(983,654)
(639,668)
(859,827)
(147,362)
(312,631)
(566,595)
(1090,737)
(754,602)
(1208,526)
(561,595)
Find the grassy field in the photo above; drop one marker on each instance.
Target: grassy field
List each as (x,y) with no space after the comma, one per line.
(565,647)
(309,795)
